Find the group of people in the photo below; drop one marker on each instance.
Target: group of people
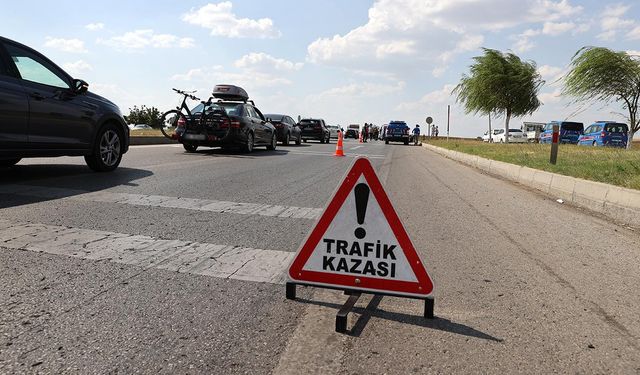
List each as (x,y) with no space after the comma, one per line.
(416,133)
(370,132)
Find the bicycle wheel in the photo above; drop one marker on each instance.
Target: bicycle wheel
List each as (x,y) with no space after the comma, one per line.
(170,122)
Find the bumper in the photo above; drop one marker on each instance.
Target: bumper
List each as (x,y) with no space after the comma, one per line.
(215,139)
(397,138)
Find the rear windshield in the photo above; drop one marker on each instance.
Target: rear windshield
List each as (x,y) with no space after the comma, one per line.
(232,109)
(616,128)
(573,126)
(276,118)
(309,122)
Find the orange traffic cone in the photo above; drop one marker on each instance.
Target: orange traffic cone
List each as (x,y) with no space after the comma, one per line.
(360,138)
(339,150)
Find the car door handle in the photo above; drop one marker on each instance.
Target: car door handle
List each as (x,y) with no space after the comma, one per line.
(36,96)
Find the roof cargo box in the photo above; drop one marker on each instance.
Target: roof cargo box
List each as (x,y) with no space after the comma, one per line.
(230,92)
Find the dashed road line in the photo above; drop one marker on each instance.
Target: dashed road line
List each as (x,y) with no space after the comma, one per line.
(164,201)
(220,261)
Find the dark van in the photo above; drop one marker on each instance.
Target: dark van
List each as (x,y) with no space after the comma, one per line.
(569,132)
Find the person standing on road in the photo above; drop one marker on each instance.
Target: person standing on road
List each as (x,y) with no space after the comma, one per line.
(365,132)
(416,135)
(437,131)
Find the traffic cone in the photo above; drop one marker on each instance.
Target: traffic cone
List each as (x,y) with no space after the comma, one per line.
(360,138)
(339,150)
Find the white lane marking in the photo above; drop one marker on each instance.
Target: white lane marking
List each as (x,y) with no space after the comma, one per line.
(221,261)
(331,154)
(356,147)
(165,201)
(160,145)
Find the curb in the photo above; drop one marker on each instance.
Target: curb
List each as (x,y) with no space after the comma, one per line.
(616,202)
(136,141)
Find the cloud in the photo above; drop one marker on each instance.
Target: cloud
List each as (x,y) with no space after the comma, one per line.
(248,79)
(440,96)
(634,34)
(66,45)
(410,35)
(220,19)
(140,39)
(363,90)
(264,62)
(551,97)
(94,26)
(612,22)
(78,67)
(557,28)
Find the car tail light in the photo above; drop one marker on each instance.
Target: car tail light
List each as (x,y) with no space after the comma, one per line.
(235,124)
(225,124)
(181,122)
(278,125)
(603,134)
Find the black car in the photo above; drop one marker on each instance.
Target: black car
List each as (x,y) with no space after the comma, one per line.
(286,129)
(44,112)
(351,133)
(397,131)
(314,129)
(231,121)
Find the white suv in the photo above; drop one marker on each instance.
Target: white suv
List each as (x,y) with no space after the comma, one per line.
(515,136)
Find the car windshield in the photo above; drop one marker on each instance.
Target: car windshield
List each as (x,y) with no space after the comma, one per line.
(232,109)
(277,118)
(572,126)
(309,122)
(616,128)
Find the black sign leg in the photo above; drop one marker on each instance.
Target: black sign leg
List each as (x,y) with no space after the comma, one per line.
(428,308)
(341,317)
(291,291)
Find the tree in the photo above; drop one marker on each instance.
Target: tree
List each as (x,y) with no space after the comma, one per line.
(144,115)
(600,74)
(500,84)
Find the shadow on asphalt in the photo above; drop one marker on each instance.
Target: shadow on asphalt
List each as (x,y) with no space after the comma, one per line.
(439,323)
(63,180)
(236,153)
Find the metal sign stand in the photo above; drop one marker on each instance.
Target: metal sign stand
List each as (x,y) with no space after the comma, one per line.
(354,295)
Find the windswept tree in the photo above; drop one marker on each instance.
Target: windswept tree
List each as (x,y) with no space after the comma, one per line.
(600,74)
(500,84)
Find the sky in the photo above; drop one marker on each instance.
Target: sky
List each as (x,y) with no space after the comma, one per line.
(348,62)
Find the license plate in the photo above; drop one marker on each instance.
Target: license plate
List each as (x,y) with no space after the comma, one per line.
(194,137)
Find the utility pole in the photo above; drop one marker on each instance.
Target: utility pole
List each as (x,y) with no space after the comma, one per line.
(490,135)
(448,118)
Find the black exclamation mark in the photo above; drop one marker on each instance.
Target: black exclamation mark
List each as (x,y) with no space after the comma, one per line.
(362,198)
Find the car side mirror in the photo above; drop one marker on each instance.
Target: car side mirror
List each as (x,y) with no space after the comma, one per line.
(80,86)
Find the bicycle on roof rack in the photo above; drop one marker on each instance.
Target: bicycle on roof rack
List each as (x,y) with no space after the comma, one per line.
(207,121)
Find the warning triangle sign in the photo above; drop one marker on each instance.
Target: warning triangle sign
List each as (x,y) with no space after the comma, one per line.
(359,243)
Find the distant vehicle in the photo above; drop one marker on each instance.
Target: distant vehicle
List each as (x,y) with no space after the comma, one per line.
(44,112)
(532,130)
(141,127)
(333,131)
(353,131)
(286,128)
(569,132)
(486,138)
(232,121)
(314,129)
(397,131)
(515,136)
(605,133)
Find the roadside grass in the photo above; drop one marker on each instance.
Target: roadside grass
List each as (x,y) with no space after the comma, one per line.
(609,165)
(146,133)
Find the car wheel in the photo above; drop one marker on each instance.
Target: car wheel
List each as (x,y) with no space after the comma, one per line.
(299,140)
(9,162)
(188,147)
(286,140)
(249,146)
(274,143)
(501,141)
(386,142)
(406,142)
(329,138)
(595,144)
(107,150)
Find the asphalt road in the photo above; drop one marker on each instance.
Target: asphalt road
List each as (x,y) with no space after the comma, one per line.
(174,263)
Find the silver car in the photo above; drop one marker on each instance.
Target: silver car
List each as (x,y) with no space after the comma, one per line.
(333,131)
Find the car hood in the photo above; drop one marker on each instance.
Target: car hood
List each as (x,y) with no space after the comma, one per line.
(101,101)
